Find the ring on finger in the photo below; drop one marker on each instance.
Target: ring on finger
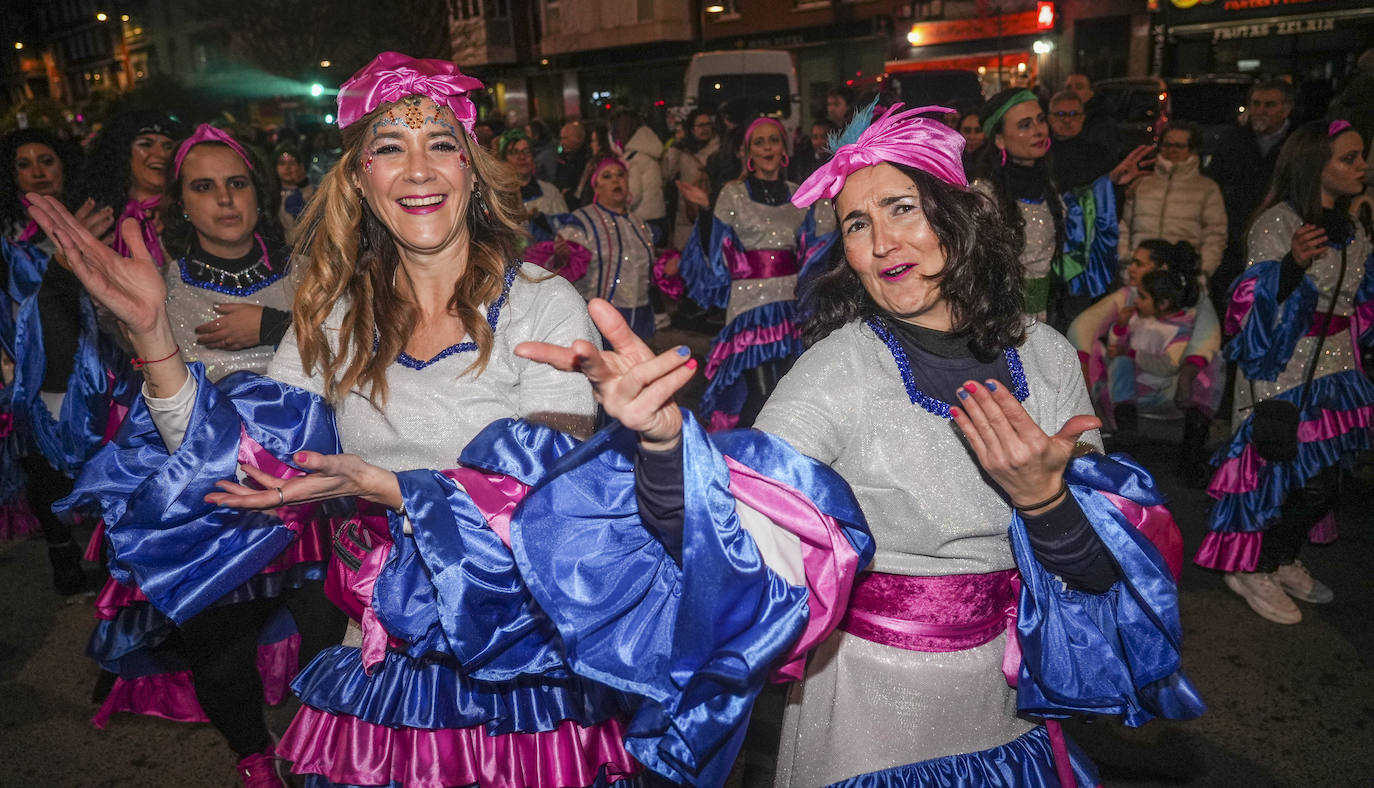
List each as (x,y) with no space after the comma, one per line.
(281,496)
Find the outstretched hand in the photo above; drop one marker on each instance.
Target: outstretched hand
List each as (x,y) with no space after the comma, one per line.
(330,476)
(635,386)
(131,288)
(1137,163)
(1026,462)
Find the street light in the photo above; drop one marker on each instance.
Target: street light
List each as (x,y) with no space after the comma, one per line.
(715,8)
(101,17)
(19,45)
(1042,46)
(123,17)
(316,89)
(326,63)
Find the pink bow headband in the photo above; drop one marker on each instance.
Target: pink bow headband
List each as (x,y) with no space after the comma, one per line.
(391,76)
(1336,127)
(207,133)
(607,162)
(749,132)
(895,138)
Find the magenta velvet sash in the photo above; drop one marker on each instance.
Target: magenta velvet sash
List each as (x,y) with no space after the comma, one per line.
(1320,325)
(764,264)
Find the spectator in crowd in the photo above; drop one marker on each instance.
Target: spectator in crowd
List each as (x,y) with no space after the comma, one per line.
(1176,201)
(686,162)
(812,151)
(726,163)
(1075,158)
(598,146)
(839,104)
(485,134)
(1243,166)
(572,160)
(641,149)
(1099,124)
(1356,101)
(972,128)
(540,199)
(545,152)
(296,188)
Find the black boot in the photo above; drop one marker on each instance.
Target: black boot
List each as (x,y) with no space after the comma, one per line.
(1192,459)
(1127,436)
(67,575)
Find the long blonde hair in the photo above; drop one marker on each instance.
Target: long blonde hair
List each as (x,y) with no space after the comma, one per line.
(352,256)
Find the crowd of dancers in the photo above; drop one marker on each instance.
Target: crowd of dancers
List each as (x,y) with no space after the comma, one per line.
(393,438)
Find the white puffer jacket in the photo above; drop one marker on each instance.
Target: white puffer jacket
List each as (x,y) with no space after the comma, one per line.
(642,153)
(1176,202)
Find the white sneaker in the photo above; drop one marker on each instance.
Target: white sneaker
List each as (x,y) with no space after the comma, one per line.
(1264,595)
(1300,584)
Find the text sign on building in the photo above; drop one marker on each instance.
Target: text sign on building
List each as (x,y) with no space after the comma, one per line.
(927,33)
(1286,27)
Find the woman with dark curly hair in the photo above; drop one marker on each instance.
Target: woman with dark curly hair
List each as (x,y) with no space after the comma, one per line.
(126,171)
(918,323)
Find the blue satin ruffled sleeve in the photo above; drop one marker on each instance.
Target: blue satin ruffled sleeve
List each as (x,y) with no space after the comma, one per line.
(26,264)
(1115,653)
(1271,329)
(1091,233)
(1364,303)
(705,269)
(813,246)
(695,641)
(181,551)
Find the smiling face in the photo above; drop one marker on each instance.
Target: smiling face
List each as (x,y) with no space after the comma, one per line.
(766,151)
(890,244)
(37,168)
(416,176)
(150,158)
(1024,136)
(219,200)
(1344,173)
(612,187)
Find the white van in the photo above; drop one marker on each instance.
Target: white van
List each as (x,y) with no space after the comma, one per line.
(765,77)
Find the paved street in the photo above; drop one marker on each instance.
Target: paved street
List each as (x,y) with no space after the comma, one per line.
(1288,705)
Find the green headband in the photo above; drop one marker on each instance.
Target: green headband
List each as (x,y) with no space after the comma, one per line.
(1020,97)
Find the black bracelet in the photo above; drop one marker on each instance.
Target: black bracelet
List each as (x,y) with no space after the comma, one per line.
(1063,488)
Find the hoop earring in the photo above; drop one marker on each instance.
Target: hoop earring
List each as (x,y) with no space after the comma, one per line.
(749,164)
(786,160)
(1004,157)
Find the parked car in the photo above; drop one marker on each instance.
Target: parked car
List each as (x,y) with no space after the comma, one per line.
(765,77)
(1143,105)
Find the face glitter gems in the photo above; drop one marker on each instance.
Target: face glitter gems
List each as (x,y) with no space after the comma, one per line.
(367,165)
(463,160)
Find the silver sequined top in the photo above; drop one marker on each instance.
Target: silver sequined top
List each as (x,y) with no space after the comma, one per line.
(1271,237)
(191,305)
(760,226)
(432,413)
(844,404)
(1038,253)
(622,249)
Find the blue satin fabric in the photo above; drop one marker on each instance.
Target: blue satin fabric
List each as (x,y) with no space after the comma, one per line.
(695,642)
(1114,653)
(1271,329)
(433,692)
(1258,509)
(1025,762)
(814,246)
(705,270)
(725,392)
(26,264)
(184,553)
(1098,254)
(69,438)
(1363,295)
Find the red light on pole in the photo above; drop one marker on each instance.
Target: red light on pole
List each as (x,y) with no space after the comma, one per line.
(1044,15)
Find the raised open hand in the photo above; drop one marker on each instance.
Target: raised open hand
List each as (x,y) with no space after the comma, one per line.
(694,194)
(1026,462)
(329,476)
(131,288)
(1137,163)
(631,383)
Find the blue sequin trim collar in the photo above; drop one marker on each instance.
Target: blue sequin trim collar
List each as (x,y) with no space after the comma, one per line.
(259,274)
(928,403)
(493,315)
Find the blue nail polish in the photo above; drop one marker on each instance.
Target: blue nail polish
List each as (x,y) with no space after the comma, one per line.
(684,351)
(963,394)
(991,386)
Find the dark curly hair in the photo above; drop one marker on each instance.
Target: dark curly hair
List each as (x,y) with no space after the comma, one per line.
(981,281)
(11,210)
(177,231)
(107,176)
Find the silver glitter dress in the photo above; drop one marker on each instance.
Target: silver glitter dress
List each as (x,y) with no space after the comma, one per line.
(433,411)
(191,302)
(622,249)
(864,706)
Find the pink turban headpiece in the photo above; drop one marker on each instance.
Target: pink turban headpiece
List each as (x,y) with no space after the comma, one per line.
(903,138)
(207,133)
(391,76)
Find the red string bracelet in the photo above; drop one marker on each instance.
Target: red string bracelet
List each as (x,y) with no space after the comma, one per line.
(140,363)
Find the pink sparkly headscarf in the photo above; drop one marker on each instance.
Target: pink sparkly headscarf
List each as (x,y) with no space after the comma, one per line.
(391,76)
(895,138)
(207,133)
